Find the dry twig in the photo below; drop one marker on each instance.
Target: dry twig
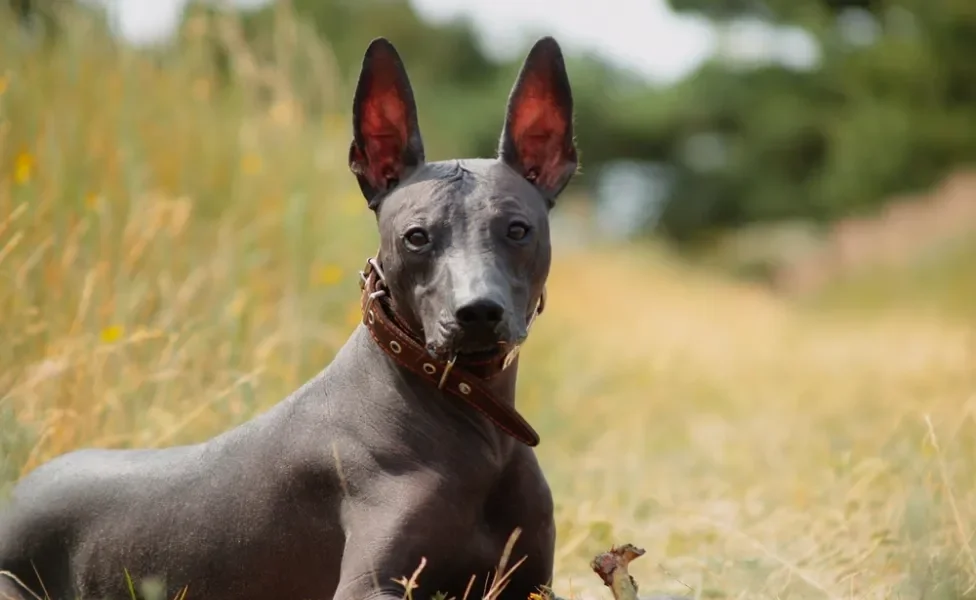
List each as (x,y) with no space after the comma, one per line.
(611,566)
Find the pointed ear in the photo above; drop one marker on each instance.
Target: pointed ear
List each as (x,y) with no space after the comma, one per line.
(386,143)
(538,137)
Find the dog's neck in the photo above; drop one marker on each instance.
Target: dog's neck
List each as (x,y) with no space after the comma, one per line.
(485,385)
(501,386)
(383,373)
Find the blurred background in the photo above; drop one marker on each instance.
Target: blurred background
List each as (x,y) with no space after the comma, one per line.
(782,191)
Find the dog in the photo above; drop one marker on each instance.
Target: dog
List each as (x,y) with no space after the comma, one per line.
(407,446)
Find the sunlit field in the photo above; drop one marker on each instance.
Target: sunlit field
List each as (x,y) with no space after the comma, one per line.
(177,255)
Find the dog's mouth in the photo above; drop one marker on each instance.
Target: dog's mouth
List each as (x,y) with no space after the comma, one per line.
(482,353)
(469,348)
(468,352)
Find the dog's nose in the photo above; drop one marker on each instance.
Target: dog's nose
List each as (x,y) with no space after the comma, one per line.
(482,311)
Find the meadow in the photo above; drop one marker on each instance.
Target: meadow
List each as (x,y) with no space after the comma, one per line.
(178,252)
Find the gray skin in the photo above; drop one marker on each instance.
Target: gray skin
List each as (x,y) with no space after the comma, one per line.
(351,480)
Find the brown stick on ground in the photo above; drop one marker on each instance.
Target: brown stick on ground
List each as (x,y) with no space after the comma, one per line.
(612,568)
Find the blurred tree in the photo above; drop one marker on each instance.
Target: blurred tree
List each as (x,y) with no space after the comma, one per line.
(457,86)
(39,17)
(887,105)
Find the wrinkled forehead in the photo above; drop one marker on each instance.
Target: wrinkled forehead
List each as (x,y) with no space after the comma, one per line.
(457,191)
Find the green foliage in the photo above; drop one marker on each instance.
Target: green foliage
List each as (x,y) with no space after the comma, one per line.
(887,108)
(880,114)
(460,92)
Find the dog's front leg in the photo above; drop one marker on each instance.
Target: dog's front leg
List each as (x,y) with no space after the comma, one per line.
(386,542)
(379,570)
(10,590)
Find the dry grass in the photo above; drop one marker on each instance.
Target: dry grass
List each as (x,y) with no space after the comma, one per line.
(174,259)
(753,449)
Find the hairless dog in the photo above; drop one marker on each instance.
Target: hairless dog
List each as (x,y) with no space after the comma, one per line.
(406,446)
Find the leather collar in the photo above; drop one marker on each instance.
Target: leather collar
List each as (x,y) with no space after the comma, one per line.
(462,379)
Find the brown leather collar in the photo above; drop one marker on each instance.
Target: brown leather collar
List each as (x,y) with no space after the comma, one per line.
(465,381)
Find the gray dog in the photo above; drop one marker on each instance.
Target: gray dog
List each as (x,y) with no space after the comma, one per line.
(407,446)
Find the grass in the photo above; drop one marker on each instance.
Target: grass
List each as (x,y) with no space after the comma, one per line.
(176,257)
(942,281)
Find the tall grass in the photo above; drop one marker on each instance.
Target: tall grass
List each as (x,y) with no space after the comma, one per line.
(171,249)
(177,255)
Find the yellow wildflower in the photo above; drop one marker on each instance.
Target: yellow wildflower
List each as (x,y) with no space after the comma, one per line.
(112,334)
(330,275)
(23,168)
(92,200)
(251,164)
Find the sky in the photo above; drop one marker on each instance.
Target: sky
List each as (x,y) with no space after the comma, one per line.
(643,35)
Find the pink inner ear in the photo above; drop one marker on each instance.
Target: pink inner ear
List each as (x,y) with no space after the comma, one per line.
(384,131)
(538,129)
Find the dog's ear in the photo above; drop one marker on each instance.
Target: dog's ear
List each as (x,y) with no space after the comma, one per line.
(538,137)
(386,143)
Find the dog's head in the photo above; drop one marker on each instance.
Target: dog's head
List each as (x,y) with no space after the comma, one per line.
(464,244)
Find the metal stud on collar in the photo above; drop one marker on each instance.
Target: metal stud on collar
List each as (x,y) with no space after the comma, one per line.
(375,265)
(367,312)
(372,264)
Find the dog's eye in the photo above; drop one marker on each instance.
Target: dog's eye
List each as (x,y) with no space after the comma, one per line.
(417,238)
(518,231)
